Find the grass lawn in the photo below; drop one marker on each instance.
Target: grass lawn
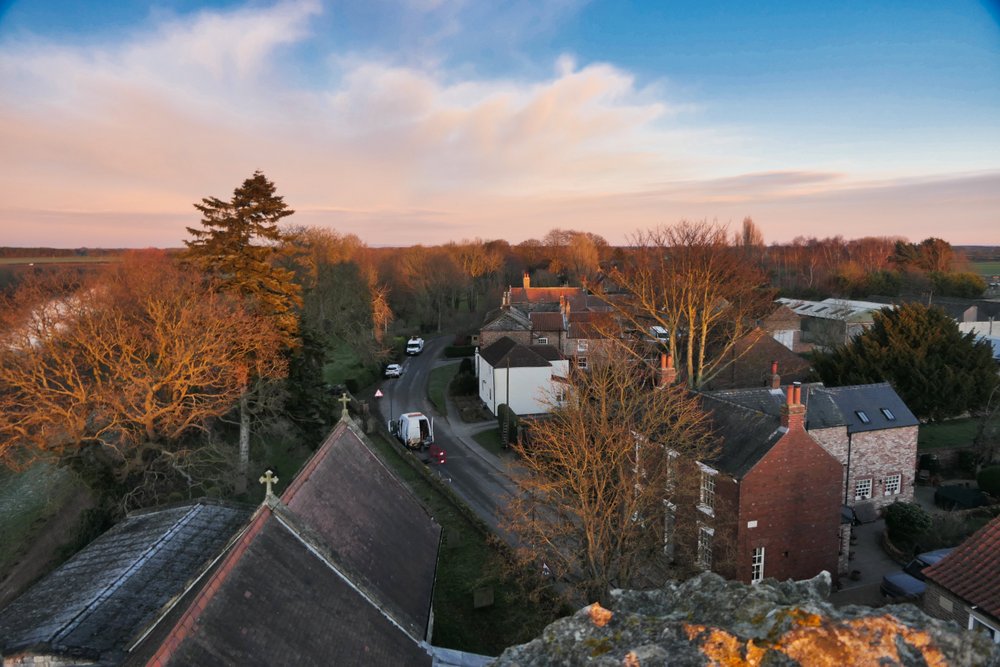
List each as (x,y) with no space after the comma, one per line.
(490,441)
(343,363)
(437,387)
(4,261)
(951,433)
(468,561)
(987,268)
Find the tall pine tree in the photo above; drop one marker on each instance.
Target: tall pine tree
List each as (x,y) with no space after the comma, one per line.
(236,245)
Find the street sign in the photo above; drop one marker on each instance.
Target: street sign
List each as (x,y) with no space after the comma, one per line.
(378,393)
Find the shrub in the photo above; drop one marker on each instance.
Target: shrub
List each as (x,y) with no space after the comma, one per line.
(906,522)
(465,367)
(989,480)
(464,385)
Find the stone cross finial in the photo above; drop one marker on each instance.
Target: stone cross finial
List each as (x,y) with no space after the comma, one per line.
(268,478)
(344,400)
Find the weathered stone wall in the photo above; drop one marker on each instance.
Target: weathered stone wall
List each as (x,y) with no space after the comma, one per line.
(708,620)
(488,337)
(939,603)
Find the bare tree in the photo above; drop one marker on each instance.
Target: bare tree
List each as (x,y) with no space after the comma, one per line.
(688,279)
(596,472)
(122,375)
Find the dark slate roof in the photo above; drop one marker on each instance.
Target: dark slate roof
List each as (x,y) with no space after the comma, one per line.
(751,366)
(972,570)
(383,537)
(871,399)
(547,352)
(95,604)
(282,603)
(507,319)
(520,356)
(821,411)
(745,435)
(340,571)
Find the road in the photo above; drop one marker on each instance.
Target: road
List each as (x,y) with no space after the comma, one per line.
(475,477)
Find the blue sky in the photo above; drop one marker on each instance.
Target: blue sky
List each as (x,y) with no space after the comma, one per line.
(423,121)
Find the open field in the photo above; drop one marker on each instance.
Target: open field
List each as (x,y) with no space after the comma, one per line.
(951,433)
(987,269)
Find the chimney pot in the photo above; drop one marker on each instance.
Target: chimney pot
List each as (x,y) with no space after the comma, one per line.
(775,378)
(667,373)
(526,280)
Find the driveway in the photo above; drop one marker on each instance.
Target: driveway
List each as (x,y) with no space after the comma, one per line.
(871,562)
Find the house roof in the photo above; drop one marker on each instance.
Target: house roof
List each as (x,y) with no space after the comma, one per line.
(549,297)
(752,356)
(96,603)
(505,350)
(339,571)
(835,309)
(507,319)
(284,600)
(546,321)
(972,570)
(879,404)
(745,435)
(827,407)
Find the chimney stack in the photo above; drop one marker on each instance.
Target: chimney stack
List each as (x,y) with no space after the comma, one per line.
(775,378)
(526,280)
(793,413)
(667,374)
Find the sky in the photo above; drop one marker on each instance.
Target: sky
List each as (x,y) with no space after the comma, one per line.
(427,121)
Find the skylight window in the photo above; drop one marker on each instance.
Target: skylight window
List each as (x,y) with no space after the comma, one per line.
(865,419)
(888,414)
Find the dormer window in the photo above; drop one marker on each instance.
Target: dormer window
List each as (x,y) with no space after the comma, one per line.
(888,414)
(865,419)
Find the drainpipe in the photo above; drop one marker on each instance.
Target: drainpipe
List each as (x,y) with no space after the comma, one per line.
(847,479)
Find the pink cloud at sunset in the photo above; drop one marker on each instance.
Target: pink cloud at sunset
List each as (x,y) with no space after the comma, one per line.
(109,144)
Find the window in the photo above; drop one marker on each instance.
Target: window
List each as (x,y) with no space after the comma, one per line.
(893,484)
(581,362)
(705,535)
(863,489)
(757,565)
(706,499)
(669,528)
(581,346)
(865,419)
(888,414)
(670,474)
(542,340)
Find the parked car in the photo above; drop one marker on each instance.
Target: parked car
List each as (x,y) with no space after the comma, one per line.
(910,583)
(393,371)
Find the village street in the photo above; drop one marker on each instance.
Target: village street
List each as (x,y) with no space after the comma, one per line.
(477,476)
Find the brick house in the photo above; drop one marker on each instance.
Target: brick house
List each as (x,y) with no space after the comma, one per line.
(768,504)
(964,586)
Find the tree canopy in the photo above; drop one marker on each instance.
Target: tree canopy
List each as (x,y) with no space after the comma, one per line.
(595,473)
(937,370)
(237,245)
(119,378)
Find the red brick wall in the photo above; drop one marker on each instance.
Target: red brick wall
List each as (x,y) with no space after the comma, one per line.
(794,495)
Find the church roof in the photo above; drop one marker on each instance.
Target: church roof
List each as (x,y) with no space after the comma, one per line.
(95,604)
(339,571)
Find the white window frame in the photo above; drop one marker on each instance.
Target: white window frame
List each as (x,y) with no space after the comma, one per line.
(706,490)
(581,362)
(581,345)
(858,484)
(706,536)
(891,481)
(757,565)
(543,340)
(669,529)
(980,624)
(670,483)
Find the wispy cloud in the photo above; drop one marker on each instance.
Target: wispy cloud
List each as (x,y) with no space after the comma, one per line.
(396,150)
